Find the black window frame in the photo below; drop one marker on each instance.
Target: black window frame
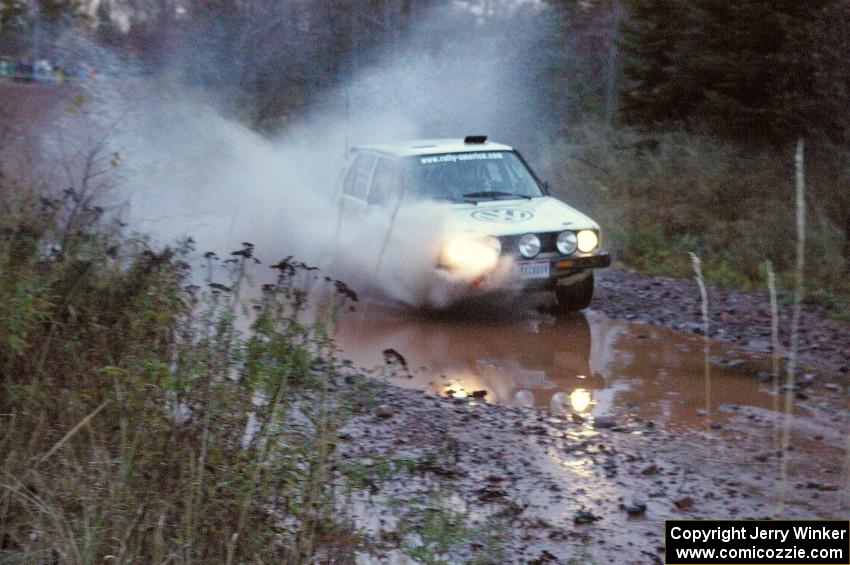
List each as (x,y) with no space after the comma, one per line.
(394,190)
(350,177)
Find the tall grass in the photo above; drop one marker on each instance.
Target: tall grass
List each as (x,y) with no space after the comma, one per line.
(139,420)
(659,195)
(774,348)
(800,207)
(706,345)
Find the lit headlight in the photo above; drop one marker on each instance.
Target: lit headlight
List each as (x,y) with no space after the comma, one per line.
(529,245)
(474,256)
(493,243)
(567,242)
(587,241)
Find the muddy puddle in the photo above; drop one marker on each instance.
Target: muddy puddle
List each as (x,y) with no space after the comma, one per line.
(587,364)
(622,417)
(594,367)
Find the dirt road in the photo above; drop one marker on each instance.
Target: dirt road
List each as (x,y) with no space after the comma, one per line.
(591,431)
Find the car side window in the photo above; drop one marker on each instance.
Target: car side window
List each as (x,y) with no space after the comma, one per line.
(357,181)
(383,183)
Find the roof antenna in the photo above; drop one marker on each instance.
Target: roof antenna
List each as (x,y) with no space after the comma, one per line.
(347,104)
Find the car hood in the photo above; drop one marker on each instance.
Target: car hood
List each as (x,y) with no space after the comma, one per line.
(508,217)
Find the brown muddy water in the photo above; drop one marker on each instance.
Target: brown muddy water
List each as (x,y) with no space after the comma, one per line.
(590,366)
(587,364)
(622,415)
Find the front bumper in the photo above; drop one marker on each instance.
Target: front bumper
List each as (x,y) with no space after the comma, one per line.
(597,261)
(544,272)
(561,267)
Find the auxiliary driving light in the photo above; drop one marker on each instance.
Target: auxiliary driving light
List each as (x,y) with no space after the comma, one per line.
(566,242)
(587,241)
(529,245)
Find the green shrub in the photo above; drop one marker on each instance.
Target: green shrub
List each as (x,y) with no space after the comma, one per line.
(143,417)
(661,195)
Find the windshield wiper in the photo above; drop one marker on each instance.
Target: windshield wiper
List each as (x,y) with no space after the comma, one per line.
(495,194)
(456,200)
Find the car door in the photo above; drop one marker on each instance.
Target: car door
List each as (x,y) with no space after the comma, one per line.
(351,201)
(383,190)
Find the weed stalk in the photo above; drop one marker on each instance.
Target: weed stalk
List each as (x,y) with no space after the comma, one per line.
(800,202)
(706,345)
(774,350)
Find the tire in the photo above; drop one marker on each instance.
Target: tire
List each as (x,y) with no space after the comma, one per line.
(576,296)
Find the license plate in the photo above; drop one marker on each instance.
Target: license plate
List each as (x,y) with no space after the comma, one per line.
(534,269)
(535,380)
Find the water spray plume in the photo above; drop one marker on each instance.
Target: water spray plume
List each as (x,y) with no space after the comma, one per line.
(189,170)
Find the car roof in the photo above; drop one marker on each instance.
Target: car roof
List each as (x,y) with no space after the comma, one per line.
(431,147)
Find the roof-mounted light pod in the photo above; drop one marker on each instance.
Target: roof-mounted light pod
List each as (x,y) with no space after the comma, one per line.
(475,139)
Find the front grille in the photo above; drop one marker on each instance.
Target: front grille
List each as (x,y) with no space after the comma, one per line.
(548,242)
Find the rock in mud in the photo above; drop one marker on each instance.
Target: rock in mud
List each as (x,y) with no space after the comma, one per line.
(821,486)
(543,558)
(585,516)
(650,469)
(684,503)
(489,493)
(636,508)
(602,422)
(384,411)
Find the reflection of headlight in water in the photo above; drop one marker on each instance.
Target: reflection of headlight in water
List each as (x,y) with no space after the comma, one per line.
(580,399)
(524,398)
(456,391)
(471,256)
(556,404)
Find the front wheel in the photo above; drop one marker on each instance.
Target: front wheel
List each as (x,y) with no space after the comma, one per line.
(575,297)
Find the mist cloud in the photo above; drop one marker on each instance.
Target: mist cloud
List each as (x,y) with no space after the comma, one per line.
(188,170)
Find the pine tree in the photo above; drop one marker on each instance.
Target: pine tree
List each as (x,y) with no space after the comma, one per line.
(766,69)
(650,41)
(107,32)
(13,15)
(14,26)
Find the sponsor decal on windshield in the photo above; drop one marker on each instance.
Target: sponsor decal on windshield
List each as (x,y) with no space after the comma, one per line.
(455,157)
(502,215)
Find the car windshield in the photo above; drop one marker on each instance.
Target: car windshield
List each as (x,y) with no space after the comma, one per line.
(473,176)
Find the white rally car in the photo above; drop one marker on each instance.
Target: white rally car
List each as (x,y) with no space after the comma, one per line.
(502,217)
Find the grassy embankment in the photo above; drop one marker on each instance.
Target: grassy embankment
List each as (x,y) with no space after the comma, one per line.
(137,422)
(661,196)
